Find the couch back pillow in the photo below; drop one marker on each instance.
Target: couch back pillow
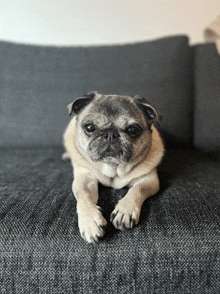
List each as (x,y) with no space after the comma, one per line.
(207,98)
(38,82)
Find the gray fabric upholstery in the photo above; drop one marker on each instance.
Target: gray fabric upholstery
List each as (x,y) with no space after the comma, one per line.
(207,98)
(38,82)
(174,249)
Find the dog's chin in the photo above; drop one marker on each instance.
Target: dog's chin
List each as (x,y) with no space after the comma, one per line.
(111,160)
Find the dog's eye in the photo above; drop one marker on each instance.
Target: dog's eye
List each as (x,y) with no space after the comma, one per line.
(90,128)
(133,131)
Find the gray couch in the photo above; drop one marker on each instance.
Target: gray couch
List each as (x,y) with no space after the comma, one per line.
(175,247)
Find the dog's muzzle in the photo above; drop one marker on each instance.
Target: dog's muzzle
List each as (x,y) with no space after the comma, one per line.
(106,145)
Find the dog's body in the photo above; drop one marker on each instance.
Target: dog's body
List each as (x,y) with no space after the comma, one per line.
(112,140)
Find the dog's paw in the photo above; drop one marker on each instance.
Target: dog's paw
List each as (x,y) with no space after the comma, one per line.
(92,224)
(125,215)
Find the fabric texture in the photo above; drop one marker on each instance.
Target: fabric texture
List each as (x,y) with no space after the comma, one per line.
(175,246)
(174,249)
(38,83)
(206,98)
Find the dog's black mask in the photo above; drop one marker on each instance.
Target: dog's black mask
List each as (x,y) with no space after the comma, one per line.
(108,143)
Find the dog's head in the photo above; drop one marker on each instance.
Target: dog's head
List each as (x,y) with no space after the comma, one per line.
(113,128)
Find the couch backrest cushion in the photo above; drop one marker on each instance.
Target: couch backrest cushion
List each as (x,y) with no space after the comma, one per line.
(207,98)
(38,82)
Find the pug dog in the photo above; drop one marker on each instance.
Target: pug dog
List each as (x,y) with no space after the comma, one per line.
(113,140)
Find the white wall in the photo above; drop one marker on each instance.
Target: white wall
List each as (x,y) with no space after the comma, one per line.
(82,22)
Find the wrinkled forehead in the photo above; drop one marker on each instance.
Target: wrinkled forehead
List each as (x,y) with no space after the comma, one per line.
(120,110)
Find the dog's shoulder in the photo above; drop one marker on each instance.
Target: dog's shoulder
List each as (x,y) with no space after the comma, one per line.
(69,144)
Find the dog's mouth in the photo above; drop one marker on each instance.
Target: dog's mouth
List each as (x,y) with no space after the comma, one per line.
(110,152)
(116,153)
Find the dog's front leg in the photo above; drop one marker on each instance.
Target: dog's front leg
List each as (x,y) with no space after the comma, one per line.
(90,220)
(127,212)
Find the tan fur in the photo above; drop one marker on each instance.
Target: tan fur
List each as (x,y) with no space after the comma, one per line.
(122,174)
(140,175)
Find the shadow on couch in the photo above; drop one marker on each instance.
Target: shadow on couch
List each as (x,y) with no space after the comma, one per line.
(181,170)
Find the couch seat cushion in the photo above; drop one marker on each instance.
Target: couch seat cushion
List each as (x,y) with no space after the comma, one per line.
(174,249)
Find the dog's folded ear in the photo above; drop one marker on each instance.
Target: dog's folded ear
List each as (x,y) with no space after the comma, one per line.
(152,115)
(77,105)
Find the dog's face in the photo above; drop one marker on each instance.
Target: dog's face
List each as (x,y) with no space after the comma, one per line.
(112,128)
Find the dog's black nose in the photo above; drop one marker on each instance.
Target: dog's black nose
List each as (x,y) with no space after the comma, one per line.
(111,135)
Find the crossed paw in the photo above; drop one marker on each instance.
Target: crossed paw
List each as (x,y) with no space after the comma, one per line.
(125,215)
(92,224)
